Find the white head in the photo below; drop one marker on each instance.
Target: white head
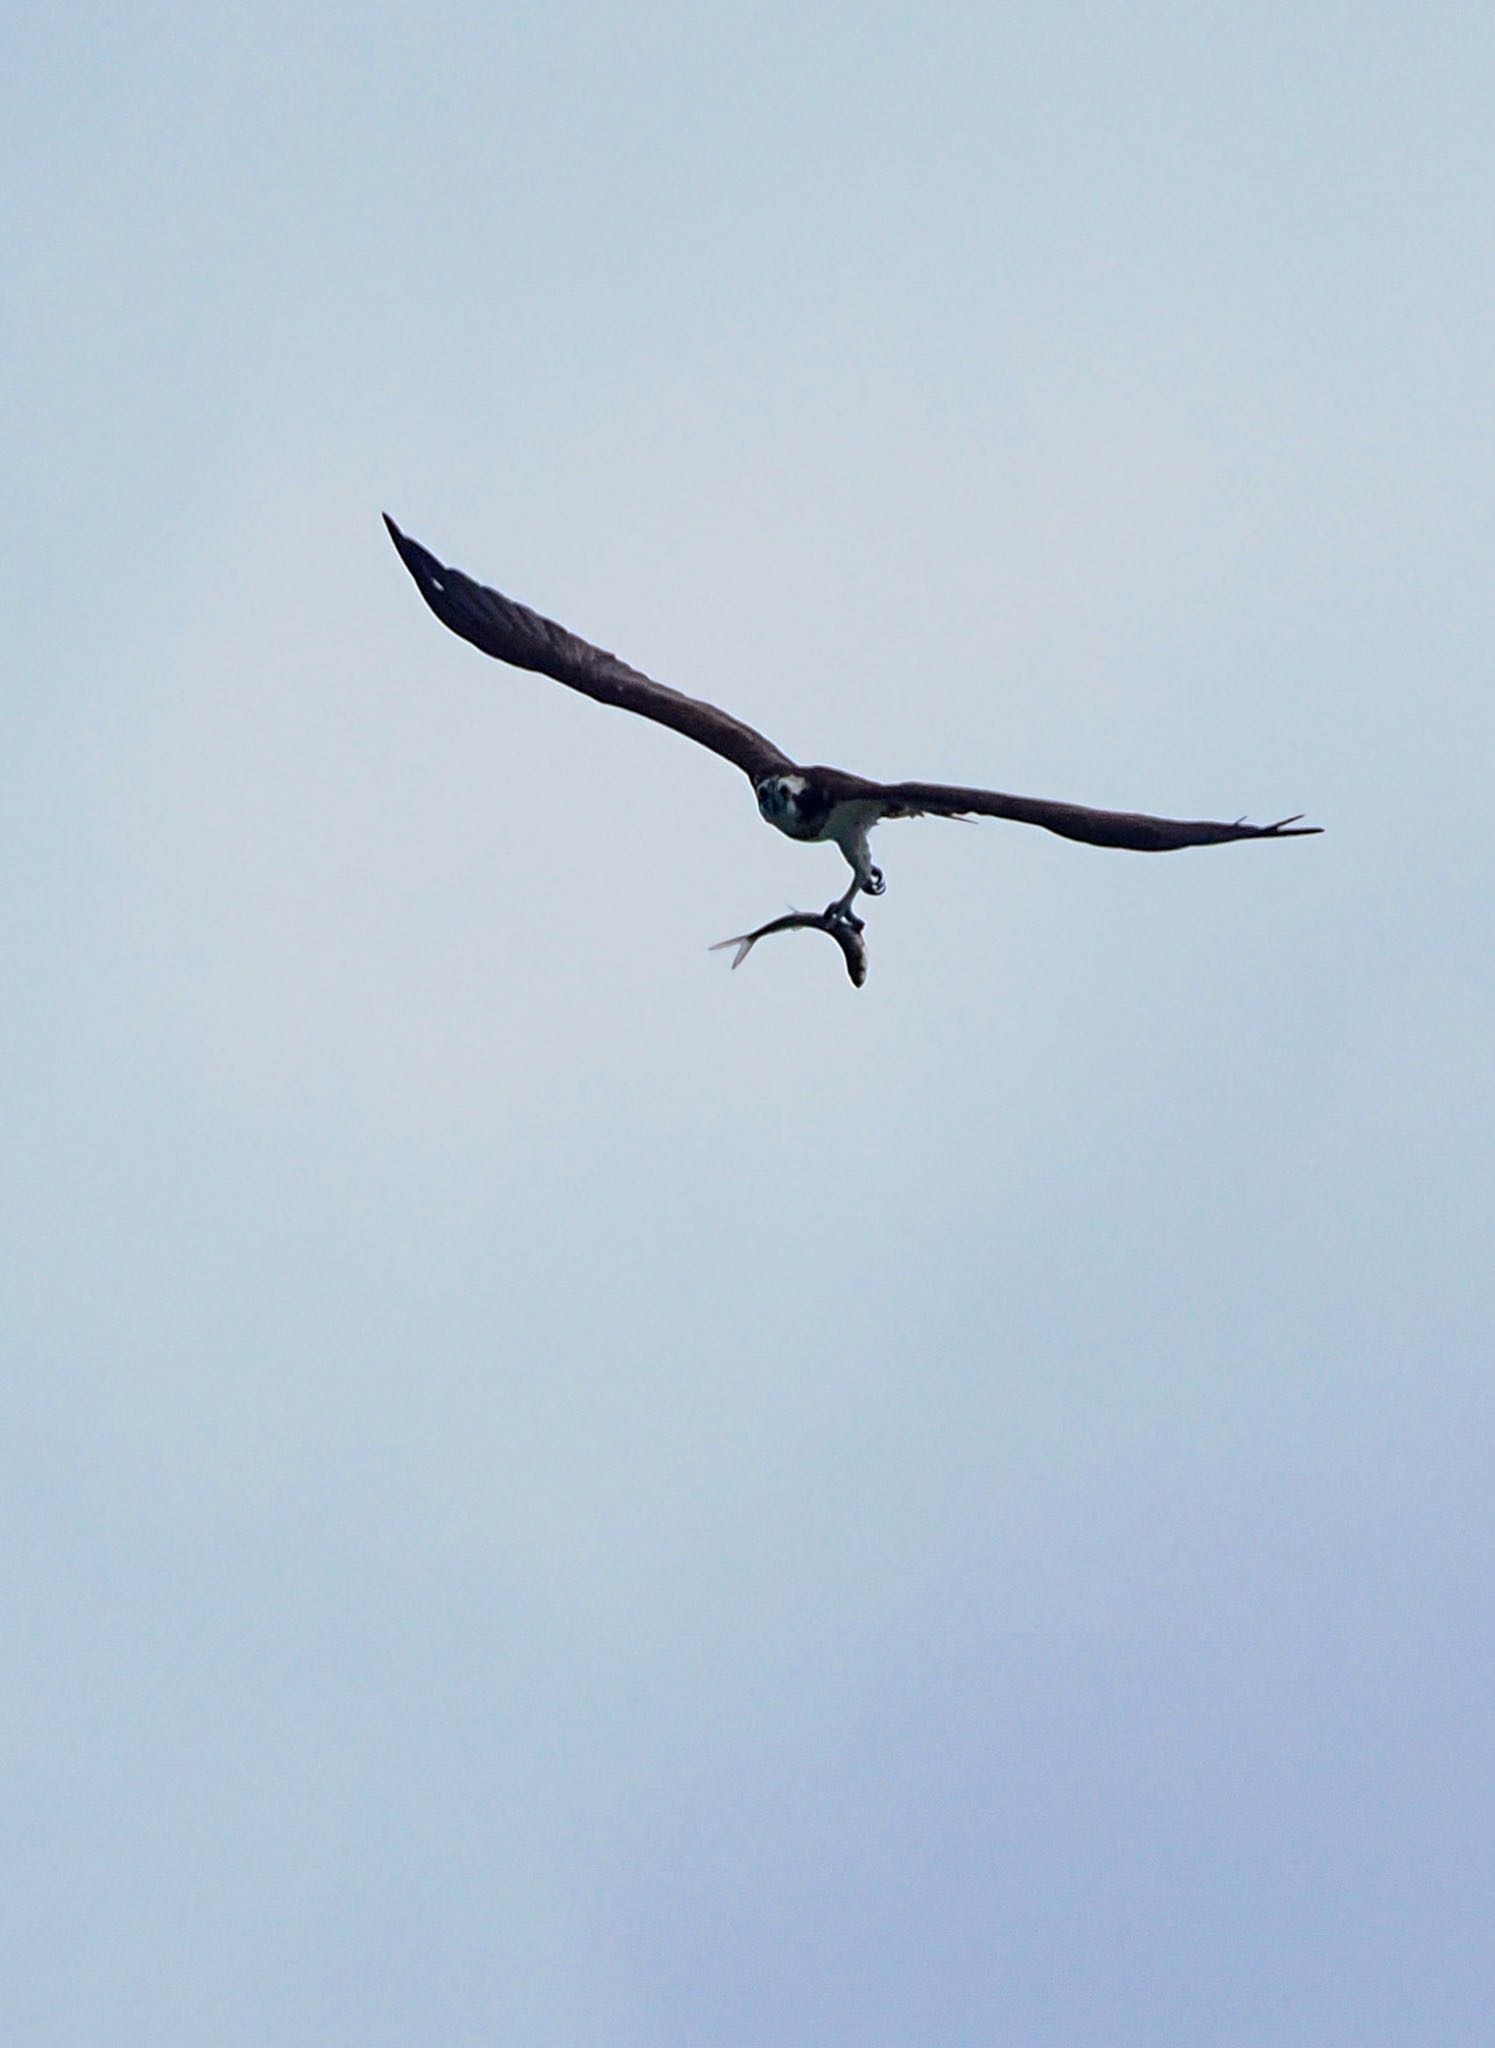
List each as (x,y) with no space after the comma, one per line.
(794,805)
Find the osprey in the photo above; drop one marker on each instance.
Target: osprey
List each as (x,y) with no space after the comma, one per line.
(802,802)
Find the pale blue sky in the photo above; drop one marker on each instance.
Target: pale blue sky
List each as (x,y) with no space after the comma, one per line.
(555,1495)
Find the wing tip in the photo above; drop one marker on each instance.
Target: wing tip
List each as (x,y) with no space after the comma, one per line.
(421,563)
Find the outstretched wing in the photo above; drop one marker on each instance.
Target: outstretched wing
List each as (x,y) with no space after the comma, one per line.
(511,632)
(1077,821)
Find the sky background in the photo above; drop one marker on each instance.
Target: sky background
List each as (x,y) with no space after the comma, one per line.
(557,1495)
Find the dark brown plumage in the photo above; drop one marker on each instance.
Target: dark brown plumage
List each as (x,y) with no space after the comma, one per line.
(810,803)
(513,633)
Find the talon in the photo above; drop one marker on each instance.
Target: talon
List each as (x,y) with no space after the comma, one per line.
(874,884)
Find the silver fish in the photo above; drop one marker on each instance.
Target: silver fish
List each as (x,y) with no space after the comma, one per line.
(844,929)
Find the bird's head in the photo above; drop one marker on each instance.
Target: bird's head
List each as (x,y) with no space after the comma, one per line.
(793,804)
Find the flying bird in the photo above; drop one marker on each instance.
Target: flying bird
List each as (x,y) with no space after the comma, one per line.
(803,802)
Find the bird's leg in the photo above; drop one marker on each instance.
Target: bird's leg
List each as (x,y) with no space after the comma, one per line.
(864,876)
(841,912)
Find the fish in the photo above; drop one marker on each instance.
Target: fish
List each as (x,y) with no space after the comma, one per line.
(845,929)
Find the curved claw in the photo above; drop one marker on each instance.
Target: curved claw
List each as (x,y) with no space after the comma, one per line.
(874,884)
(841,912)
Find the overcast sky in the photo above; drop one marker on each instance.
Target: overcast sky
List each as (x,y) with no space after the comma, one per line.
(557,1495)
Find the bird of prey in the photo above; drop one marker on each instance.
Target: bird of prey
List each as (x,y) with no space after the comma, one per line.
(803,802)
